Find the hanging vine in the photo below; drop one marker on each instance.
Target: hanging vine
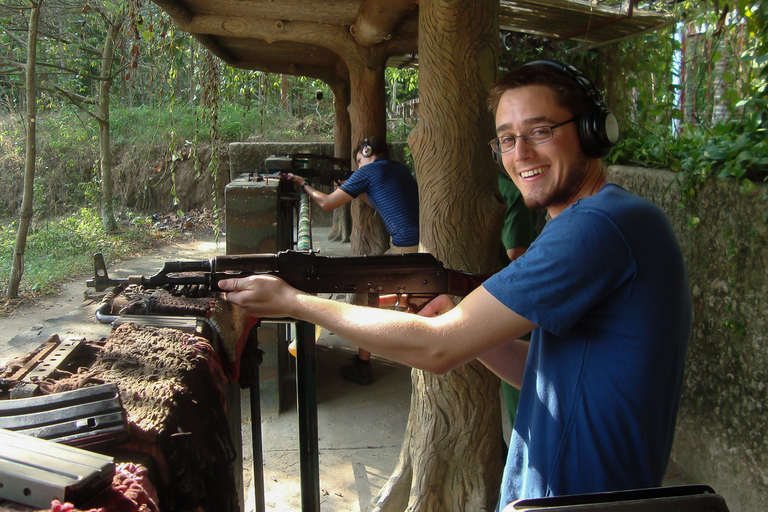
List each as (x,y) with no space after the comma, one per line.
(210,79)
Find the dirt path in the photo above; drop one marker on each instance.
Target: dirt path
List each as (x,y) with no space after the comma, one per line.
(31,324)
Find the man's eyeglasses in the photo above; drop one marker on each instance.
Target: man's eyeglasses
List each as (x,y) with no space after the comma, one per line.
(534,136)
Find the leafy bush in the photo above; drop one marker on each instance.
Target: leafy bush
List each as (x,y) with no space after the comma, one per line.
(61,249)
(67,151)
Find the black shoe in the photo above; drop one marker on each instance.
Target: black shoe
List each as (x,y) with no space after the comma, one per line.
(358,372)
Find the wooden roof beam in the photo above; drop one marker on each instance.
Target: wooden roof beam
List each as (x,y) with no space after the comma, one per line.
(175,10)
(378,20)
(331,37)
(320,34)
(612,19)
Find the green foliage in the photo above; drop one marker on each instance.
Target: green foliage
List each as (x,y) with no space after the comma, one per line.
(697,108)
(144,125)
(718,129)
(399,129)
(66,152)
(401,85)
(61,249)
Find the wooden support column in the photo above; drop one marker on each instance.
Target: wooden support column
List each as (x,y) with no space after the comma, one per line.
(341,228)
(451,457)
(367,114)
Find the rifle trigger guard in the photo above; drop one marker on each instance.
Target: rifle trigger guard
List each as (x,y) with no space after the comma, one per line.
(398,306)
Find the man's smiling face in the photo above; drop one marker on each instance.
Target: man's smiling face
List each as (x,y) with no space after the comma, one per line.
(549,175)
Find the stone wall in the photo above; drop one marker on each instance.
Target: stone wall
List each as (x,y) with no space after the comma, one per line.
(722,432)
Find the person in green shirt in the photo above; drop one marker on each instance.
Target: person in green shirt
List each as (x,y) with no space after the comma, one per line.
(517,233)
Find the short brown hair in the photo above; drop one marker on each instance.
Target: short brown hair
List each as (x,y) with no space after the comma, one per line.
(569,94)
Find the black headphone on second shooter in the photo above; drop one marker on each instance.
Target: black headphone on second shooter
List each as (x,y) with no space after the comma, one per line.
(366,150)
(598,127)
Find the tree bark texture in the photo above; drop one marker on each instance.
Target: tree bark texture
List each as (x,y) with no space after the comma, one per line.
(451,456)
(367,113)
(451,459)
(25,217)
(460,206)
(341,226)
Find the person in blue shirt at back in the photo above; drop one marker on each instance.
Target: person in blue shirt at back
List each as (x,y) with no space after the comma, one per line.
(603,289)
(391,190)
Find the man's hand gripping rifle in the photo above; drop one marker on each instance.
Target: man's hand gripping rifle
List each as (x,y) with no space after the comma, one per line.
(413,278)
(319,169)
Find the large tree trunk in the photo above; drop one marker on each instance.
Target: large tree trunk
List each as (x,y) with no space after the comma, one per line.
(105,145)
(25,217)
(451,457)
(367,112)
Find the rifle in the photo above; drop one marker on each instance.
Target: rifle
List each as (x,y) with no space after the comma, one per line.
(420,276)
(321,169)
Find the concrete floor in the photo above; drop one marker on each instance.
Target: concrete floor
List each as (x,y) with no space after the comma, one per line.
(360,430)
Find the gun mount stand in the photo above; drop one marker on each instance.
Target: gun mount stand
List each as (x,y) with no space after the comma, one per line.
(306,408)
(263,216)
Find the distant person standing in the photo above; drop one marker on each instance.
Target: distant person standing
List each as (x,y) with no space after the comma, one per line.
(391,190)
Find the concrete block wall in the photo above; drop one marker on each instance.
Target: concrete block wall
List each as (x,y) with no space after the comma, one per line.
(722,430)
(250,156)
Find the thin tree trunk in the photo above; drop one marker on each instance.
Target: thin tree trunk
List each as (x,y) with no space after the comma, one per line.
(285,94)
(25,217)
(192,83)
(105,145)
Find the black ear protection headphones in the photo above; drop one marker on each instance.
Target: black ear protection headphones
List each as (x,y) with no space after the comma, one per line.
(366,150)
(598,127)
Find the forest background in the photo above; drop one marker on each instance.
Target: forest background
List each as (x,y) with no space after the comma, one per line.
(100,101)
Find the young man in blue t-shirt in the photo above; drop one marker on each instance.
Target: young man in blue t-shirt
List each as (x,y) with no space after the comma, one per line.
(391,190)
(603,290)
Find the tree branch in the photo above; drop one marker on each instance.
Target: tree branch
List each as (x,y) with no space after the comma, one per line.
(16,7)
(72,71)
(77,101)
(15,38)
(12,64)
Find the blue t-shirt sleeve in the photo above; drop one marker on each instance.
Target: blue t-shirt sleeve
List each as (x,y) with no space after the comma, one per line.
(578,260)
(357,183)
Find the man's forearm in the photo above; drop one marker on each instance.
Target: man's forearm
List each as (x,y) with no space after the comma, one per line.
(435,344)
(394,335)
(508,361)
(327,202)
